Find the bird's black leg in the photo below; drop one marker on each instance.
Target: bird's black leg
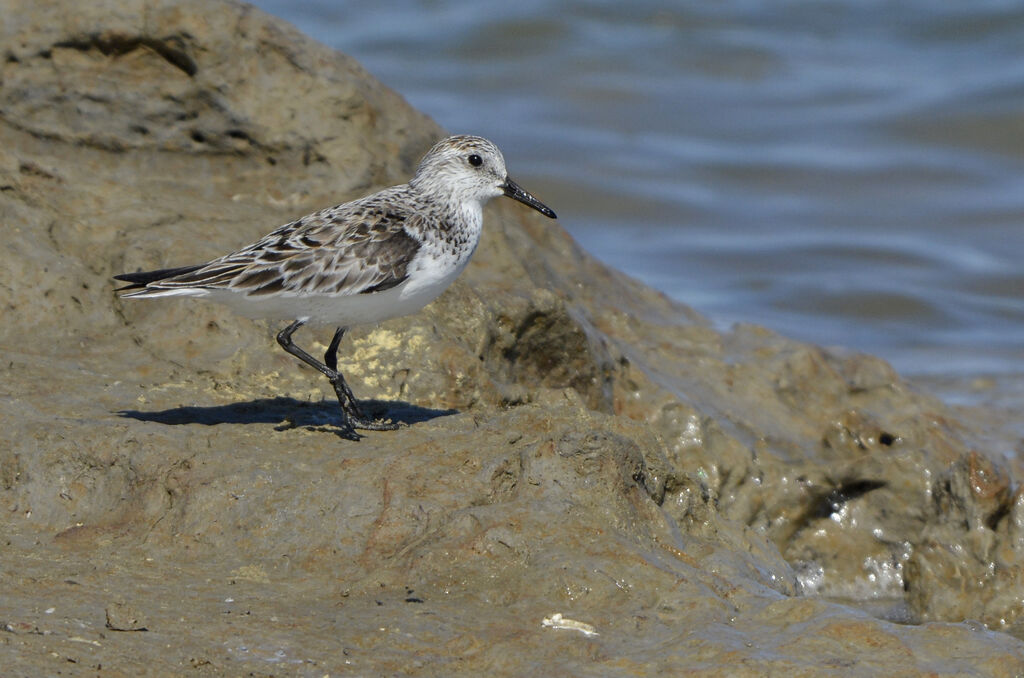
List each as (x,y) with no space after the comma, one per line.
(284,337)
(331,356)
(348,402)
(354,418)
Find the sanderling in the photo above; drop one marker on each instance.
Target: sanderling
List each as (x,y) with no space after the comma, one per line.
(382,256)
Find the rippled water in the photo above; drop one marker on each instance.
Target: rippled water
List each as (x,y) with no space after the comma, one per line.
(849,172)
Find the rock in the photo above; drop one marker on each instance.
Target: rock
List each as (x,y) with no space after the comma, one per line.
(579,444)
(123,617)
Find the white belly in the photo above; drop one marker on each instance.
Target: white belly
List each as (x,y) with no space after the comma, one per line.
(429,276)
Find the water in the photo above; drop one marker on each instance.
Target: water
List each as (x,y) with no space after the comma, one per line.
(850,173)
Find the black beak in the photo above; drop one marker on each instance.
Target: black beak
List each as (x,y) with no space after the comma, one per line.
(513,191)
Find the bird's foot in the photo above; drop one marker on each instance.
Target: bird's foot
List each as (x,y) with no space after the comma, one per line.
(355,419)
(374,424)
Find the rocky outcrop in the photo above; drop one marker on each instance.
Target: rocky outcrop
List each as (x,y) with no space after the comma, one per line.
(593,477)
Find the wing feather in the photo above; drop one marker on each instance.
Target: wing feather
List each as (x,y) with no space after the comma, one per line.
(356,248)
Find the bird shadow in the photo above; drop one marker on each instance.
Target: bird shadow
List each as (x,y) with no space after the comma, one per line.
(287,413)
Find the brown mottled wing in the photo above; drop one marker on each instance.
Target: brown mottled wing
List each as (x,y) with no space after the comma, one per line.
(349,249)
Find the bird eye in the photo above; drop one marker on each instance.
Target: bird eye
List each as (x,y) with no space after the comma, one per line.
(475,160)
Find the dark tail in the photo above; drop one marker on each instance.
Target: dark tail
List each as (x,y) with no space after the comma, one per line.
(143,278)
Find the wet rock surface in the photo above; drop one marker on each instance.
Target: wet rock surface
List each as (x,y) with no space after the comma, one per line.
(176,499)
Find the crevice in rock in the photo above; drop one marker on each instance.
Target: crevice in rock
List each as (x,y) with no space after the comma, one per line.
(993,520)
(843,493)
(115,44)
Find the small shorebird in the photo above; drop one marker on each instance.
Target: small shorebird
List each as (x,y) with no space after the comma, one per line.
(385,255)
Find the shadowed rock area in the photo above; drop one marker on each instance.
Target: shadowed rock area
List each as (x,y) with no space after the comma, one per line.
(593,479)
